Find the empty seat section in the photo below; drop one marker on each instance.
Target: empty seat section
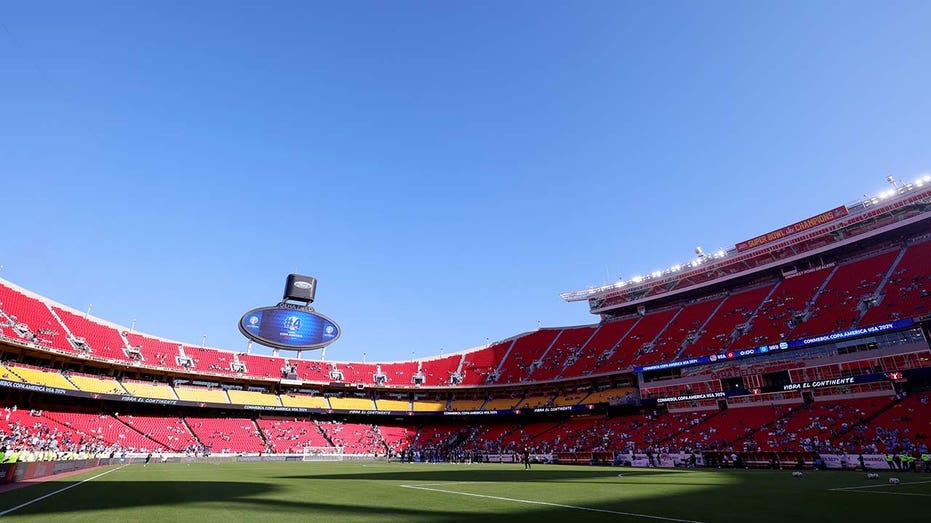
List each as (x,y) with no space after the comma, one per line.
(201,394)
(569,399)
(350,403)
(534,401)
(155,351)
(438,371)
(40,376)
(263,366)
(479,364)
(594,353)
(526,350)
(104,428)
(358,372)
(250,397)
(461,405)
(104,341)
(393,405)
(501,403)
(835,308)
(35,314)
(168,431)
(396,438)
(304,400)
(907,294)
(102,384)
(681,329)
(401,373)
(149,390)
(616,395)
(721,329)
(778,313)
(637,342)
(316,371)
(7,374)
(564,351)
(429,405)
(210,360)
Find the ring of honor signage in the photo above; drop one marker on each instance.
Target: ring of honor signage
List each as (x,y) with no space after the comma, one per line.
(291,325)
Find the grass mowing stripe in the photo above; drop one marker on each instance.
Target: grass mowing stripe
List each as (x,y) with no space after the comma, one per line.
(50,494)
(531,502)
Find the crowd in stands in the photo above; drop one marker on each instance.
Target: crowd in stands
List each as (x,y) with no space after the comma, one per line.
(871,425)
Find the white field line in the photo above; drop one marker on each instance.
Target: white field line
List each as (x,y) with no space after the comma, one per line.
(531,502)
(865,489)
(50,494)
(880,486)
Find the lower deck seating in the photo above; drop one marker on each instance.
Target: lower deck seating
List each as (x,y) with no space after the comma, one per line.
(225,435)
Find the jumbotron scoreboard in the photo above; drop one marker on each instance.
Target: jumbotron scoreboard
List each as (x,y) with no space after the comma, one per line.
(292,324)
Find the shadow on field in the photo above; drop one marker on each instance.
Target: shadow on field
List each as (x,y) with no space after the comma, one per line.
(125,494)
(536,496)
(419,475)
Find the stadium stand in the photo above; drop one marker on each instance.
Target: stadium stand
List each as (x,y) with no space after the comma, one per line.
(683,328)
(525,355)
(835,306)
(202,394)
(348,403)
(224,436)
(563,352)
(392,405)
(90,383)
(149,390)
(303,400)
(291,435)
(103,341)
(422,405)
(354,438)
(907,292)
(481,366)
(42,328)
(829,381)
(249,397)
(40,376)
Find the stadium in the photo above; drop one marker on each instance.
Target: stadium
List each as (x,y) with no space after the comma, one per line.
(804,350)
(501,202)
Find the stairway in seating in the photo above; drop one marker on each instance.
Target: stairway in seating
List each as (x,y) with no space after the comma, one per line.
(882,284)
(813,301)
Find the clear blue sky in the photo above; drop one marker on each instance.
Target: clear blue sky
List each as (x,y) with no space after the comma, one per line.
(445,169)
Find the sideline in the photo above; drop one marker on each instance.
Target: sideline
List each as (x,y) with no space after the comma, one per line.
(530,502)
(50,494)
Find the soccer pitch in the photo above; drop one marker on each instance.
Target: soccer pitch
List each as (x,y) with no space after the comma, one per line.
(367,492)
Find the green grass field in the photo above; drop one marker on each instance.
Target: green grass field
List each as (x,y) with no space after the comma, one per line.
(367,492)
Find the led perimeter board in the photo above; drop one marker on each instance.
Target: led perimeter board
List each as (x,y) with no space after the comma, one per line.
(282,327)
